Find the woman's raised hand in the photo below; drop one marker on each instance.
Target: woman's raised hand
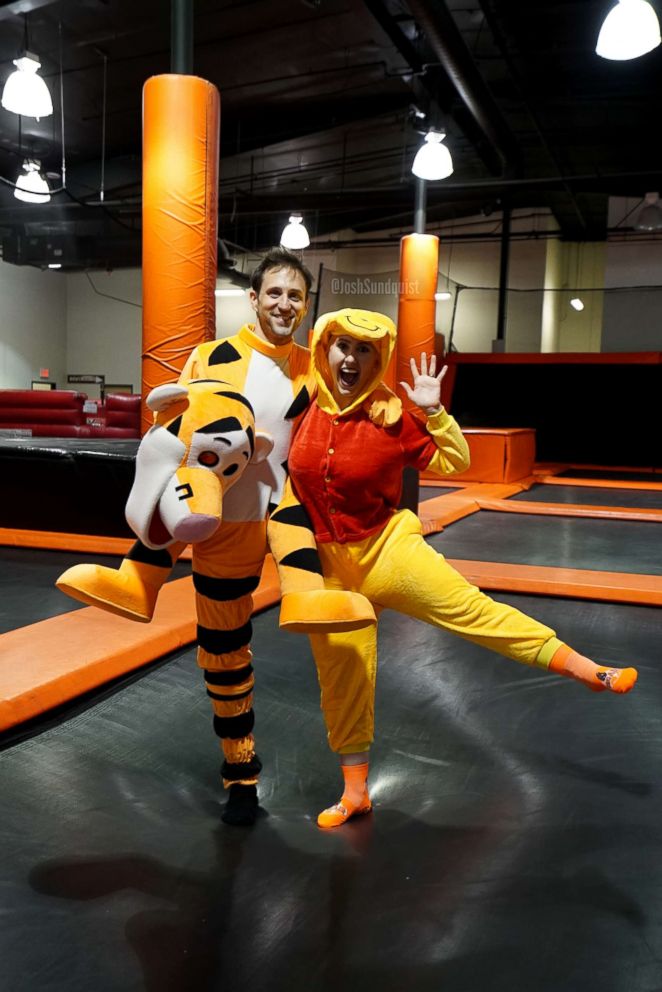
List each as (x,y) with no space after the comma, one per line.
(426,393)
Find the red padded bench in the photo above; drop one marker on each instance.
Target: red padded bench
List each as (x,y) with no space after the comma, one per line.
(52,413)
(120,416)
(60,413)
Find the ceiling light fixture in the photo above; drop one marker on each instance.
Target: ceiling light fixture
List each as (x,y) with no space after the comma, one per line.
(31,187)
(433,160)
(230,292)
(649,217)
(443,296)
(629,30)
(25,92)
(295,236)
(576,303)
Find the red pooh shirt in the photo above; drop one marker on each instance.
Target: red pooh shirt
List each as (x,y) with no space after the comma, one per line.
(347,471)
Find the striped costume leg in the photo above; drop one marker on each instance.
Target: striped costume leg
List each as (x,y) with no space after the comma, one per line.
(131,590)
(226,571)
(306,605)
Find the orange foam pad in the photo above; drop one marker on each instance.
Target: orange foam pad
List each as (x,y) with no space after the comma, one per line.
(553,480)
(440,511)
(180,224)
(56,660)
(571,510)
(56,541)
(419,272)
(614,587)
(497,455)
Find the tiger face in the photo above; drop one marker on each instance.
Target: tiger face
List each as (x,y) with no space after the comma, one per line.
(202,440)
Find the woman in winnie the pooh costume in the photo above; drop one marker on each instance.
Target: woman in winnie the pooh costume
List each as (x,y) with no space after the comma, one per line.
(345,466)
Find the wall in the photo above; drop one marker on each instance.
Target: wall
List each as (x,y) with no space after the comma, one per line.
(32,325)
(632,319)
(104,326)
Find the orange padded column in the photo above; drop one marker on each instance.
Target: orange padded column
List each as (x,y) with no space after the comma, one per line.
(419,264)
(181,124)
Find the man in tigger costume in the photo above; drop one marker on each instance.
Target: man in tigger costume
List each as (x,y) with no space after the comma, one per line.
(263,363)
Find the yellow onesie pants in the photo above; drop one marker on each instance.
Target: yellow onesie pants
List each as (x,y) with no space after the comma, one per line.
(395,569)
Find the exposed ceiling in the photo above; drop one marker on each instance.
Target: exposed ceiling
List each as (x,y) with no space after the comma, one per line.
(317,115)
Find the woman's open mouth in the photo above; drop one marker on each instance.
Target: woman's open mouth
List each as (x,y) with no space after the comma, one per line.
(348,377)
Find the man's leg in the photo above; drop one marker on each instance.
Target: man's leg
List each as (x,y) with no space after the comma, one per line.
(226,571)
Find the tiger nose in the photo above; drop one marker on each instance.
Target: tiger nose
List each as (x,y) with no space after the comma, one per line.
(197,527)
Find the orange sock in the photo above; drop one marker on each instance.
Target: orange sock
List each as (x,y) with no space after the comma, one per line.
(354,800)
(565,661)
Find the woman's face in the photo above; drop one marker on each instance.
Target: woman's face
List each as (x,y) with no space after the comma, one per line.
(353,364)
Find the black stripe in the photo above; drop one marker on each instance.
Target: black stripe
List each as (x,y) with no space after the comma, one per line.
(224,354)
(219,426)
(234,770)
(296,516)
(224,641)
(228,699)
(305,558)
(222,590)
(161,559)
(231,676)
(239,398)
(299,404)
(216,382)
(234,727)
(174,426)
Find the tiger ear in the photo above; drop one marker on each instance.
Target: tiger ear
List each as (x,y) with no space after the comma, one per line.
(162,397)
(263,446)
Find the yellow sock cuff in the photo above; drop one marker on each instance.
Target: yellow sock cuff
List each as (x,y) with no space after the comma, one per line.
(547,652)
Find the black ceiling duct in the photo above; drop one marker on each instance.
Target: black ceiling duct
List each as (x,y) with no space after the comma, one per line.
(444,38)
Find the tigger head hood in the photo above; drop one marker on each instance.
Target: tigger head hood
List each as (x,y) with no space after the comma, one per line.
(381,405)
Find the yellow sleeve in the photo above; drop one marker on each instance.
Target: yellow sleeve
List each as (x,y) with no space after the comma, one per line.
(193,368)
(452,454)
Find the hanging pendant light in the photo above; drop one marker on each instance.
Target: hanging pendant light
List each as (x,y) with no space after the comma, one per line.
(433,160)
(31,187)
(25,92)
(295,236)
(629,30)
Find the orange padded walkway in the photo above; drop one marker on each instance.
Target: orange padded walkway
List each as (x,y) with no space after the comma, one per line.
(56,660)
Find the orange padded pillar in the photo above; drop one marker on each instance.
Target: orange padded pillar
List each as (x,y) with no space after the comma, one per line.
(419,264)
(181,125)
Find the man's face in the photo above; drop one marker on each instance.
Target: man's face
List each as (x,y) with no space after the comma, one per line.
(280,305)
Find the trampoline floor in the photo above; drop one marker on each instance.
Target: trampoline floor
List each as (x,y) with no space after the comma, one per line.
(515,841)
(566,542)
(27,583)
(591,496)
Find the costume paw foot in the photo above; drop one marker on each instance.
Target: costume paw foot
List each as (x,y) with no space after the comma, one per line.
(619,680)
(325,611)
(241,807)
(340,812)
(112,590)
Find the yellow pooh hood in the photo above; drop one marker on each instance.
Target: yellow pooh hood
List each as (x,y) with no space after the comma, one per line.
(381,405)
